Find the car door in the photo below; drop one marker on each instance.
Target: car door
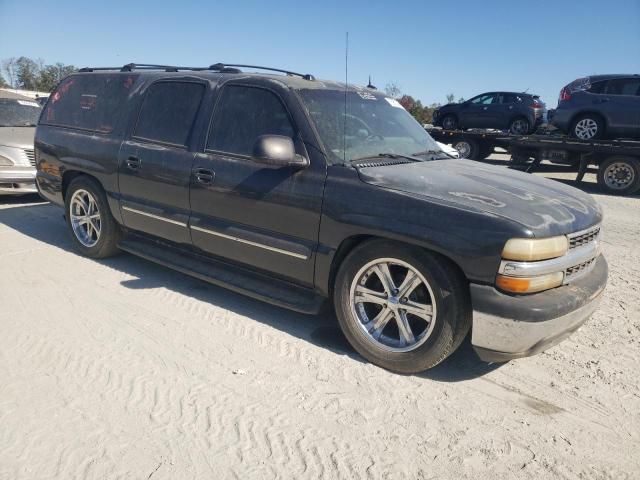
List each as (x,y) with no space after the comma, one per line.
(479,111)
(509,106)
(620,105)
(243,210)
(155,160)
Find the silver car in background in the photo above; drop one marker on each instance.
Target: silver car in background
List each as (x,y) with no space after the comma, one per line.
(18,119)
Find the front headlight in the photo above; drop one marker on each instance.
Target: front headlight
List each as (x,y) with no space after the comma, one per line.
(533,249)
(5,162)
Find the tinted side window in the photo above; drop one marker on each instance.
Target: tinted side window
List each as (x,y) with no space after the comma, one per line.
(486,99)
(597,87)
(623,86)
(168,111)
(242,115)
(89,102)
(511,98)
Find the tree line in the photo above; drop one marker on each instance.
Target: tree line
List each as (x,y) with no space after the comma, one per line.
(422,113)
(28,74)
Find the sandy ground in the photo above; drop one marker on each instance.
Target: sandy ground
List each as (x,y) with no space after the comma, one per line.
(123,369)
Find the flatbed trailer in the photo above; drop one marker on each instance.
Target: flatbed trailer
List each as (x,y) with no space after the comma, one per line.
(618,161)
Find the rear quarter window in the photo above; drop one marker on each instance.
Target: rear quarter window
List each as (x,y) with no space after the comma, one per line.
(168,111)
(88,102)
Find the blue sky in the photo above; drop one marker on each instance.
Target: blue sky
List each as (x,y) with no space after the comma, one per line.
(428,48)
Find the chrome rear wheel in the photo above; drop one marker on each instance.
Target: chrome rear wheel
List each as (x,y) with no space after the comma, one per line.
(85,218)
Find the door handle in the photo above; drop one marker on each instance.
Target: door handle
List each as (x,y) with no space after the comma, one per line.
(484,108)
(133,163)
(603,100)
(203,175)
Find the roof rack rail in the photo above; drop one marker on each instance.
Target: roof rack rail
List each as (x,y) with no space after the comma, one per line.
(224,66)
(218,67)
(129,67)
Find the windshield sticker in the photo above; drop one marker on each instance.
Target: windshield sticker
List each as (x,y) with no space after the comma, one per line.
(28,104)
(365,95)
(393,102)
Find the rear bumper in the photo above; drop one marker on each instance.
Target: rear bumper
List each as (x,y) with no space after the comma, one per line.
(507,327)
(15,181)
(561,119)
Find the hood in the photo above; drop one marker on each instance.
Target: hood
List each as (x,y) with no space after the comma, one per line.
(545,207)
(20,137)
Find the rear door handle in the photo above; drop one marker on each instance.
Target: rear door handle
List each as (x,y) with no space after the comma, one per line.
(203,175)
(133,163)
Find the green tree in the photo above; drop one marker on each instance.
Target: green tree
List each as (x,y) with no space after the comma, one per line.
(450,98)
(50,76)
(27,72)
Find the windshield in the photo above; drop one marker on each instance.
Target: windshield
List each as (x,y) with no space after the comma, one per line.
(19,113)
(375,125)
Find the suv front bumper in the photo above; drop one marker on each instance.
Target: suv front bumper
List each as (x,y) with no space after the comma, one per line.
(17,180)
(506,327)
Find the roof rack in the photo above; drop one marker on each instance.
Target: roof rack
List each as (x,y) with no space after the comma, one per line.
(223,66)
(217,67)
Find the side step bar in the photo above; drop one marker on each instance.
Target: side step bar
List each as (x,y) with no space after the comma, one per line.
(241,280)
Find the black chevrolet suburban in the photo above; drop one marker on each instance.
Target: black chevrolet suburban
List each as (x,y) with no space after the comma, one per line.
(297,191)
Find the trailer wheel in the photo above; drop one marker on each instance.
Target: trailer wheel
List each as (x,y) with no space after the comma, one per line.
(467,149)
(619,175)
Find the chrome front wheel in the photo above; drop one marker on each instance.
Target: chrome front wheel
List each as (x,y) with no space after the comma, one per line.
(85,218)
(394,304)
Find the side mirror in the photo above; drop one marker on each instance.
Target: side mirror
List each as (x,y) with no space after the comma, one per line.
(277,151)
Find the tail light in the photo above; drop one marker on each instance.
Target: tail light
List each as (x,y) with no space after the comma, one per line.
(564,95)
(537,103)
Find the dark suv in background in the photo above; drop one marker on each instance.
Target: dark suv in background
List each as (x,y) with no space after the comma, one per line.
(520,113)
(263,183)
(600,106)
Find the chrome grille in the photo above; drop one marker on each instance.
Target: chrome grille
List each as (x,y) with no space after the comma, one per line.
(31,155)
(575,271)
(584,237)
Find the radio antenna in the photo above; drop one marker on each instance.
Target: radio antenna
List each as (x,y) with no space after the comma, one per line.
(346,86)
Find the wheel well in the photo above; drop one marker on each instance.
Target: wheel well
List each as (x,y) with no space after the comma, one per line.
(67,178)
(515,117)
(348,244)
(588,112)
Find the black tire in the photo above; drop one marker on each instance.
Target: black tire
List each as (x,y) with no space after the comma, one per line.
(519,126)
(110,232)
(449,290)
(577,126)
(467,148)
(619,175)
(450,122)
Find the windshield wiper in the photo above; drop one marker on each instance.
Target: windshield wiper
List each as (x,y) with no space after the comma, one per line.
(432,152)
(388,155)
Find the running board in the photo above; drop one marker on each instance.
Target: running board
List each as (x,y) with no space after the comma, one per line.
(241,280)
